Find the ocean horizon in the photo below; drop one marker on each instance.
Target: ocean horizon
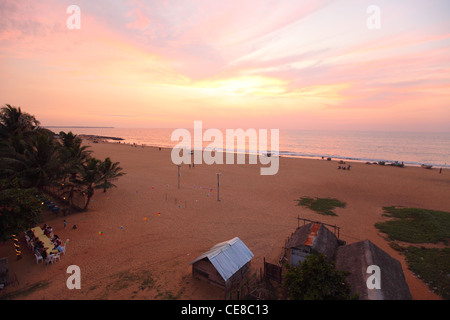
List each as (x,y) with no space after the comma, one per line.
(410,148)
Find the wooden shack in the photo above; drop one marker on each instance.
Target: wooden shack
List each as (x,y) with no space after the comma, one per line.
(4,272)
(225,265)
(310,238)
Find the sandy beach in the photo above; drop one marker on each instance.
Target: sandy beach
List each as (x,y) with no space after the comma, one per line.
(136,241)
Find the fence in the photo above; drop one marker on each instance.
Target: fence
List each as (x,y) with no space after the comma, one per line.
(336,228)
(245,290)
(272,271)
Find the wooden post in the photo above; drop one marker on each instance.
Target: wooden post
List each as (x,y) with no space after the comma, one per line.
(264,267)
(218,185)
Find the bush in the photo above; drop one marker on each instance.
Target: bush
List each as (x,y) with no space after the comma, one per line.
(20,210)
(317,279)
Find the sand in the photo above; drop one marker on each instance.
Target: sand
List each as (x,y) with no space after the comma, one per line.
(145,255)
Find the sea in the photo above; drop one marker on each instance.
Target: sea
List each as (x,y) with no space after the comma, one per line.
(409,148)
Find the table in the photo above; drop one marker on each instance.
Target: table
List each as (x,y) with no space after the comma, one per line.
(39,233)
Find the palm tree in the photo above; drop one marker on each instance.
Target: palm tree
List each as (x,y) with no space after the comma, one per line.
(72,156)
(17,130)
(91,177)
(72,153)
(110,171)
(14,122)
(96,174)
(41,162)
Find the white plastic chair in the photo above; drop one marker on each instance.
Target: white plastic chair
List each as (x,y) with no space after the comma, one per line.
(38,258)
(27,238)
(56,256)
(50,259)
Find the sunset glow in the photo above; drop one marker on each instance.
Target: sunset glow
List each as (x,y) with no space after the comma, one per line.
(267,64)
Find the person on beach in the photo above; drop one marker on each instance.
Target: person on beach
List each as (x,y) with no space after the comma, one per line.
(43,253)
(37,245)
(48,231)
(56,241)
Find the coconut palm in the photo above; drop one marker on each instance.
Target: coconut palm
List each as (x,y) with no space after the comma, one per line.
(72,152)
(110,171)
(96,174)
(14,122)
(17,130)
(91,177)
(72,155)
(40,162)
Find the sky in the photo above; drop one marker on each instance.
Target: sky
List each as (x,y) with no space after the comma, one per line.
(287,64)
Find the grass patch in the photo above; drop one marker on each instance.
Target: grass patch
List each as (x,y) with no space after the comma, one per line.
(25,291)
(415,225)
(432,265)
(135,281)
(323,206)
(147,282)
(168,295)
(125,279)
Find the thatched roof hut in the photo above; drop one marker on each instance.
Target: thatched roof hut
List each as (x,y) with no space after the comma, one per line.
(357,257)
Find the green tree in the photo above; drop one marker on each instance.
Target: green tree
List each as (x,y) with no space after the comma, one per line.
(72,156)
(16,131)
(13,122)
(41,162)
(316,279)
(33,157)
(20,209)
(110,172)
(96,174)
(91,178)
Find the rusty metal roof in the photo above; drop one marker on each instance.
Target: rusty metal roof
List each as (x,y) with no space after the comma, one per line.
(312,234)
(316,236)
(227,257)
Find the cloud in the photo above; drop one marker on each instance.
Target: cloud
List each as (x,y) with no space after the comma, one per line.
(279,58)
(141,22)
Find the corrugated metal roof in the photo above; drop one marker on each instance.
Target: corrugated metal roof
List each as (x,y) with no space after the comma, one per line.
(227,257)
(312,234)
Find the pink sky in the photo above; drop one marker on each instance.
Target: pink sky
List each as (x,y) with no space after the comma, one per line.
(268,64)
